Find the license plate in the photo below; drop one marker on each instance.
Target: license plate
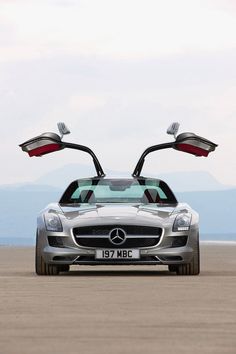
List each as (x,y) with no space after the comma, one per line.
(117,254)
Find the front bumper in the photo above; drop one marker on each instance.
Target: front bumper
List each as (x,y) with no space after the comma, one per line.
(149,256)
(164,253)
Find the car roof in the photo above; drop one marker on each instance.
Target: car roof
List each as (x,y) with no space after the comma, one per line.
(117,177)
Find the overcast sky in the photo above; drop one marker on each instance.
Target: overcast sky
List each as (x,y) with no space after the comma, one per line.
(118,72)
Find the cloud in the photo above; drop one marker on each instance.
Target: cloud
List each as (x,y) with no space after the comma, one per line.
(117,72)
(80,103)
(118,29)
(224,5)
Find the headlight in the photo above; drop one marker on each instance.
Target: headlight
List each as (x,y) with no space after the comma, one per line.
(52,222)
(182,222)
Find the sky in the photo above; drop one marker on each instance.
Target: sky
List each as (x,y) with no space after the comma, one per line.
(117,72)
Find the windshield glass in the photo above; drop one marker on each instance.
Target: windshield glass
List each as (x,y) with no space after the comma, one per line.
(102,190)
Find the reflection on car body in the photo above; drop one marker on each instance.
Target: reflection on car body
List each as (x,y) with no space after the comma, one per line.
(118,221)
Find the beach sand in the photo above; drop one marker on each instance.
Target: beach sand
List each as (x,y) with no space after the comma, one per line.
(118,309)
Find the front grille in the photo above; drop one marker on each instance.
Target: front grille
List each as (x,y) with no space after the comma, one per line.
(136,236)
(104,230)
(105,242)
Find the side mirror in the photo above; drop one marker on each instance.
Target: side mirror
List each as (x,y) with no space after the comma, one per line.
(194,144)
(42,144)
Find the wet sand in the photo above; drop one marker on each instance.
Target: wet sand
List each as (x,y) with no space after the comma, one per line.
(118,309)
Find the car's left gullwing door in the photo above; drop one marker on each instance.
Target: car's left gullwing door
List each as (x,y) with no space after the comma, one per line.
(47,143)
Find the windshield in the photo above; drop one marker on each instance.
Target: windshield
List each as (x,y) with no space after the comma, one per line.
(140,190)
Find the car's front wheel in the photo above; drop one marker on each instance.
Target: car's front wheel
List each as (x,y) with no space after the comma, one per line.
(192,268)
(42,268)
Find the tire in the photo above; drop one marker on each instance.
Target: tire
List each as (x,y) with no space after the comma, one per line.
(42,268)
(192,268)
(64,268)
(172,268)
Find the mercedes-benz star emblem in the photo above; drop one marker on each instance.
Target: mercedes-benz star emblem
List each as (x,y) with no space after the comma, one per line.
(117,236)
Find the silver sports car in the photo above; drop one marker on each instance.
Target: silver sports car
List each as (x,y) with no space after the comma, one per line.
(118,221)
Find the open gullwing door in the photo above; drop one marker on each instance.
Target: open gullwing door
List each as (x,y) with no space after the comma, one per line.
(47,143)
(186,142)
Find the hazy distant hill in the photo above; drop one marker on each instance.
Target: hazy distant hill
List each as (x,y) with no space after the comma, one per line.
(61,177)
(217,209)
(179,181)
(193,181)
(19,208)
(20,205)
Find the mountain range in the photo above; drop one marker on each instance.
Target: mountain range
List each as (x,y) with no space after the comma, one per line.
(20,204)
(182,181)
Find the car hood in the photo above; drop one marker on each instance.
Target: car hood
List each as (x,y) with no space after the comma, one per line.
(117,212)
